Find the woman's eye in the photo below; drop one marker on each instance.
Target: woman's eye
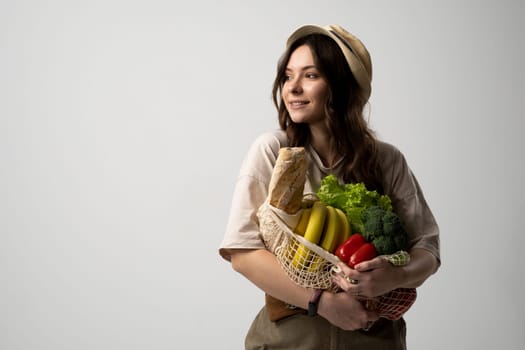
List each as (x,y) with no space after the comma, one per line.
(311,75)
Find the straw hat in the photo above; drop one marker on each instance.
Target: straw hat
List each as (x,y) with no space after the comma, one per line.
(355,52)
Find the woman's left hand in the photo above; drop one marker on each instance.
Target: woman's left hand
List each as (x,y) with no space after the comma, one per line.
(369,278)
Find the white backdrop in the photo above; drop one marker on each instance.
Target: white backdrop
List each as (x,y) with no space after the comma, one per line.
(123,125)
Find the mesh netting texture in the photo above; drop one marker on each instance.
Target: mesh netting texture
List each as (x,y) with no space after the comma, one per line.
(393,304)
(305,263)
(310,266)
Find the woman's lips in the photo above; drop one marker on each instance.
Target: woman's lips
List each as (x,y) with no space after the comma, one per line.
(297,104)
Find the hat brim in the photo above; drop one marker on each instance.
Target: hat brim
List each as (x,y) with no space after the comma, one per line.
(357,67)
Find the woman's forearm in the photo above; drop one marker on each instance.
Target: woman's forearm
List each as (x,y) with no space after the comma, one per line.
(422,265)
(262,268)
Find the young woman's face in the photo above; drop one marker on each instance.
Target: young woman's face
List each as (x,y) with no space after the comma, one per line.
(305,90)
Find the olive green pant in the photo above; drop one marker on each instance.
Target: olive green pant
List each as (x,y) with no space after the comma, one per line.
(302,332)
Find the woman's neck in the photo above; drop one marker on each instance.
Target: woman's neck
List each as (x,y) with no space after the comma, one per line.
(322,143)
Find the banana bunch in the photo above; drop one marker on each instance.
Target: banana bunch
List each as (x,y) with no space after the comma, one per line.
(323,225)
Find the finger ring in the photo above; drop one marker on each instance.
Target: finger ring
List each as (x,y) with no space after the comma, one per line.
(351,280)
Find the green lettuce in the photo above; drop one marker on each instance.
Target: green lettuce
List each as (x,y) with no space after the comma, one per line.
(352,199)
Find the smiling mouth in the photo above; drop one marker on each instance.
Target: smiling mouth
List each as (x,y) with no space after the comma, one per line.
(297,103)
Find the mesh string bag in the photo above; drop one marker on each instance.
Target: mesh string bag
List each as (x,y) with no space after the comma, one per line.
(315,267)
(311,268)
(393,304)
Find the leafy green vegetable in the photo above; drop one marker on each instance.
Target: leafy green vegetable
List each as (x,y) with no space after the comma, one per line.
(384,245)
(383,228)
(373,222)
(352,198)
(331,192)
(368,212)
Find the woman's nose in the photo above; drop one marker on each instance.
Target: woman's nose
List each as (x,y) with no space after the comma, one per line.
(296,86)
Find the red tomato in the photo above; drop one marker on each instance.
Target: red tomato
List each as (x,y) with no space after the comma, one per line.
(345,250)
(366,252)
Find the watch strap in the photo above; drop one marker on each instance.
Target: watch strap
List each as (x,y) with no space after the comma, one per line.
(314,302)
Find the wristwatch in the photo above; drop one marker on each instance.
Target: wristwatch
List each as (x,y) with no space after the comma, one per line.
(314,302)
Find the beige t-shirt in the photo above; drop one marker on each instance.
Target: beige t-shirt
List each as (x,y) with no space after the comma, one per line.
(251,190)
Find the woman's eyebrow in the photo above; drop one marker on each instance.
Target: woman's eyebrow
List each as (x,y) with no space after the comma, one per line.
(303,68)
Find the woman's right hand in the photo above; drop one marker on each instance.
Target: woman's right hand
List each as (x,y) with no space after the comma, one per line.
(345,311)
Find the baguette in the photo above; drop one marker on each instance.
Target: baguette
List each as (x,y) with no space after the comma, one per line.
(288,179)
(285,192)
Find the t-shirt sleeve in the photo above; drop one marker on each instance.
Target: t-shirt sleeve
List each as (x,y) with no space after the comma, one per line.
(250,192)
(408,200)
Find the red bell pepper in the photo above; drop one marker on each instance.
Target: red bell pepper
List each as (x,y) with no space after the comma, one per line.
(365,252)
(346,249)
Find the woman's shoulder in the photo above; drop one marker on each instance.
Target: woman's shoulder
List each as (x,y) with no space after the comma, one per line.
(392,161)
(273,139)
(269,142)
(263,152)
(387,151)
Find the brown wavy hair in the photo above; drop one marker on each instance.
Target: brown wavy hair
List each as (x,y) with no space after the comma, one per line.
(344,110)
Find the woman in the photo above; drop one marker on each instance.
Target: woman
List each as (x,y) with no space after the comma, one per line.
(320,91)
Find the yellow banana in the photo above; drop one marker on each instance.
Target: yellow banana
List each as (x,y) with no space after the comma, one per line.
(300,229)
(345,226)
(313,233)
(332,230)
(331,235)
